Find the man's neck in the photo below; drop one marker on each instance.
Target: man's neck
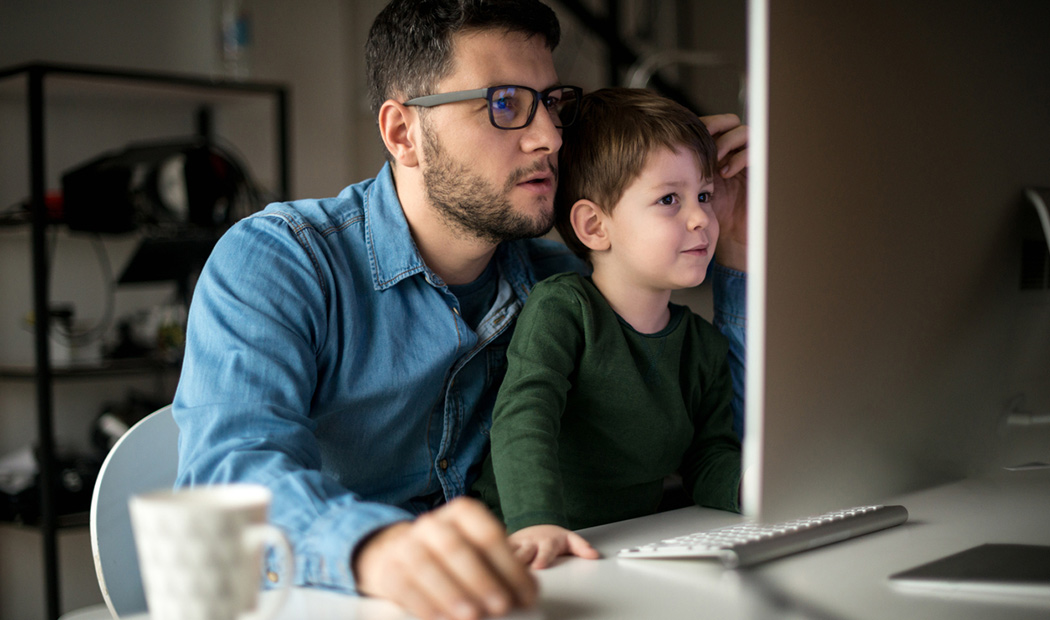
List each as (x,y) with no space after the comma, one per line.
(455,256)
(454,259)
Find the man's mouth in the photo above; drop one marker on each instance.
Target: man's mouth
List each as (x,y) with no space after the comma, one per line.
(544,180)
(542,175)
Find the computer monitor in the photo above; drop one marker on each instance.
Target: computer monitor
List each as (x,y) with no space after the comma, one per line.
(889,337)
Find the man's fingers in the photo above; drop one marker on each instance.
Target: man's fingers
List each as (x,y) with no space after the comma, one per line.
(465,568)
(731,140)
(732,151)
(478,526)
(416,603)
(719,123)
(398,567)
(733,165)
(454,563)
(436,594)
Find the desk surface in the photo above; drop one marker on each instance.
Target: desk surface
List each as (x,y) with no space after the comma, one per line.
(845,580)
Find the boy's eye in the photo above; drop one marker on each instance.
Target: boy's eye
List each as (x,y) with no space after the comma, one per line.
(669,199)
(704,197)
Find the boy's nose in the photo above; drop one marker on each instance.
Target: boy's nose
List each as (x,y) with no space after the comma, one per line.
(698,216)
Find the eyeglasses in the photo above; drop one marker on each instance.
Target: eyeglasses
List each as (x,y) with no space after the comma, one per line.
(513,107)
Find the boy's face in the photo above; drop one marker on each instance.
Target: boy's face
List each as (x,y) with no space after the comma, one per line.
(663,231)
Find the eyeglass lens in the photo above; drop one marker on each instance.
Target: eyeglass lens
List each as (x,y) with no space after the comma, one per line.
(513,107)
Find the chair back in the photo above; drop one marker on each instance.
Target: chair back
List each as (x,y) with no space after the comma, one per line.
(145,458)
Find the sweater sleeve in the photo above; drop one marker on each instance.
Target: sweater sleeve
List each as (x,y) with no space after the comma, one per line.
(526,420)
(711,466)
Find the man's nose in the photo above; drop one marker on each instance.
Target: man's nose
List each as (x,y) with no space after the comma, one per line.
(541,134)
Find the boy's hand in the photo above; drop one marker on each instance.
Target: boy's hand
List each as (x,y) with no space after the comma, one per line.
(730,195)
(538,545)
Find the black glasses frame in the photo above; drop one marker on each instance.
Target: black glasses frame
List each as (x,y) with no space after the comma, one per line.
(429,101)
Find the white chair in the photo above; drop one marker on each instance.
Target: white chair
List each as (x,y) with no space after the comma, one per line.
(144,459)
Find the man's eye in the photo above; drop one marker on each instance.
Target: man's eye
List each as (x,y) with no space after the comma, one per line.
(704,197)
(501,104)
(551,101)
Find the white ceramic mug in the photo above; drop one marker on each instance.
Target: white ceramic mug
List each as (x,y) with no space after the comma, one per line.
(200,552)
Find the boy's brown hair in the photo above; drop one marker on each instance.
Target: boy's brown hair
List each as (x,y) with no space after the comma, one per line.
(607,147)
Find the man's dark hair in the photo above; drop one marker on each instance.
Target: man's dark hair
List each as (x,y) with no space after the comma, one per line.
(410,45)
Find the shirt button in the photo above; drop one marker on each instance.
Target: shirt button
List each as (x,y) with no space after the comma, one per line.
(455,311)
(443,464)
(272,576)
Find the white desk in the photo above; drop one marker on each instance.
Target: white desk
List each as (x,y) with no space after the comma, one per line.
(845,580)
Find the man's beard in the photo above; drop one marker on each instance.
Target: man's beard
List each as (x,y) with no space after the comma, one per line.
(471,205)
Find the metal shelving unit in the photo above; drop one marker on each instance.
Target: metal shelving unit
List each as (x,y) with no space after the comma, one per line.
(86,81)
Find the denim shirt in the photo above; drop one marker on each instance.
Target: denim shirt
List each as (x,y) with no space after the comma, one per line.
(326,361)
(729,289)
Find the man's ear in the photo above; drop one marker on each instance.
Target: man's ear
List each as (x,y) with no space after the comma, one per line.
(588,220)
(395,126)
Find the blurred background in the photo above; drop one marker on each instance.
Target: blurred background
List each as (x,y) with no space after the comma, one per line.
(693,50)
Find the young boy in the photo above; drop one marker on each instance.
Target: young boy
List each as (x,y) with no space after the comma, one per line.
(610,387)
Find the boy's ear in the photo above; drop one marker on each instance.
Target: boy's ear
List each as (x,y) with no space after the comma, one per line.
(588,220)
(396,124)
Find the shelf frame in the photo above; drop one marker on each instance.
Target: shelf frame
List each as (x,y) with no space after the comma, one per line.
(44,375)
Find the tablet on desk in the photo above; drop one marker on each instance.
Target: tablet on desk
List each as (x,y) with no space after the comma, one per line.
(997,569)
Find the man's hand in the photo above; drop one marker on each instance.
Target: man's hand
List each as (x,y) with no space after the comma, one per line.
(454,563)
(730,195)
(538,545)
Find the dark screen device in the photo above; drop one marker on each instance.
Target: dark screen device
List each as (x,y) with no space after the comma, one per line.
(993,568)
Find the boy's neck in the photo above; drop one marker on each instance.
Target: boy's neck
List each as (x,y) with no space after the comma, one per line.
(645,309)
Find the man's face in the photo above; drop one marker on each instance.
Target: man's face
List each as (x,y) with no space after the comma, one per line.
(493,184)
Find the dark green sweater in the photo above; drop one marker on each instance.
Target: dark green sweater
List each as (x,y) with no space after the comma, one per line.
(593,415)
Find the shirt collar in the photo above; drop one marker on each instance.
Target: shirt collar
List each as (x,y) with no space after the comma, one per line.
(391,251)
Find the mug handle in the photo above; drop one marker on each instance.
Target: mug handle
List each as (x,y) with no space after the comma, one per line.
(256,538)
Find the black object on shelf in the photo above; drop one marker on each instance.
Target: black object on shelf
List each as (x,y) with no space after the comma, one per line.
(71,490)
(177,258)
(126,190)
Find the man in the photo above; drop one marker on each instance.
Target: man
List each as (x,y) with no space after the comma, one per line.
(346,352)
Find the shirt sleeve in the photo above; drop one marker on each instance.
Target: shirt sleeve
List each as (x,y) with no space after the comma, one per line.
(526,419)
(729,289)
(243,402)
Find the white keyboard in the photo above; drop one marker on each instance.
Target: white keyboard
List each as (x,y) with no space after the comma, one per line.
(745,544)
